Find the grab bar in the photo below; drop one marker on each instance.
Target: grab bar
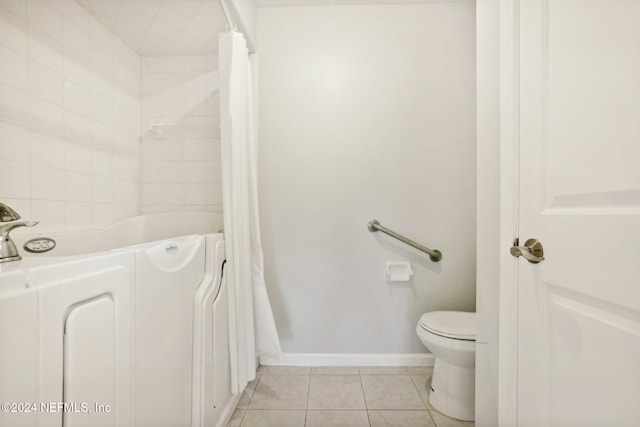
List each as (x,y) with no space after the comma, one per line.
(434,254)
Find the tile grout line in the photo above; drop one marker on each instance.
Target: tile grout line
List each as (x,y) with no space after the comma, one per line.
(413,381)
(366,407)
(306,408)
(246,410)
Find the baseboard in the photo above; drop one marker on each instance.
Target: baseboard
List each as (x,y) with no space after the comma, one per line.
(338,359)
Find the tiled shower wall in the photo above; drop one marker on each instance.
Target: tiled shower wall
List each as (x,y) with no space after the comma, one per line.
(180,134)
(69,117)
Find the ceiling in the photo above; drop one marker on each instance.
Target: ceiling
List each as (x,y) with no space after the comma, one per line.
(185,27)
(162,27)
(276,3)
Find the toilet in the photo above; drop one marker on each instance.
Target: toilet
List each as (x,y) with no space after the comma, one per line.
(451,337)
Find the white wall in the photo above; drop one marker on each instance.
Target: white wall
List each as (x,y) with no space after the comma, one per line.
(181,160)
(365,112)
(69,108)
(488,211)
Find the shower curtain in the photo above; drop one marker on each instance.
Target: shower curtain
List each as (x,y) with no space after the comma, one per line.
(252,326)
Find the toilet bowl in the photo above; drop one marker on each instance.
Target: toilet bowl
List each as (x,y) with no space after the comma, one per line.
(450,336)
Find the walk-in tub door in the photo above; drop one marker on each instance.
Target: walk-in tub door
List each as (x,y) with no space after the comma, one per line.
(18,354)
(89,364)
(86,342)
(221,361)
(167,276)
(212,398)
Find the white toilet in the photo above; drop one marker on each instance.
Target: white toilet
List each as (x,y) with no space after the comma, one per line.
(451,337)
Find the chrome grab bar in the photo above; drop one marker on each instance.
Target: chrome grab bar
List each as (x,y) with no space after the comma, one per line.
(434,254)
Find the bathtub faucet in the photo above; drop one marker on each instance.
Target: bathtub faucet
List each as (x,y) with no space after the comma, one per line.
(7,214)
(8,250)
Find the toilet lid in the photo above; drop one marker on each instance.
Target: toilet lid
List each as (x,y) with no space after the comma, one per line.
(459,325)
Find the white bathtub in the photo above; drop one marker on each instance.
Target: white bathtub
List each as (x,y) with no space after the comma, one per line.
(133,319)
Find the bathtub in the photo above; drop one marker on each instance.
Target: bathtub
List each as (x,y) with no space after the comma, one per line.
(126,326)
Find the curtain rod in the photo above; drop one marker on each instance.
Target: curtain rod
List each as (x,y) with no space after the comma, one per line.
(227,15)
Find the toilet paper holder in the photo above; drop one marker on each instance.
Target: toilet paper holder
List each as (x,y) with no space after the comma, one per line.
(398,271)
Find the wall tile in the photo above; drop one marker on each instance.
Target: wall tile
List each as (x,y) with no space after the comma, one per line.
(101,109)
(194,193)
(151,84)
(151,193)
(76,13)
(45,50)
(195,149)
(14,105)
(196,63)
(172,150)
(152,64)
(78,188)
(213,171)
(19,7)
(45,83)
(45,17)
(49,213)
(13,31)
(47,150)
(194,171)
(101,215)
(213,193)
(14,143)
(151,171)
(78,157)
(102,189)
(16,181)
(76,38)
(180,158)
(77,68)
(78,215)
(212,149)
(77,128)
(77,98)
(173,194)
(46,117)
(60,113)
(47,183)
(173,172)
(102,163)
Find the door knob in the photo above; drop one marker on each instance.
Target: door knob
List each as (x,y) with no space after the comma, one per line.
(532,250)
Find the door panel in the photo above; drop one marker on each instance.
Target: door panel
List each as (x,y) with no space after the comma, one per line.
(89,363)
(579,310)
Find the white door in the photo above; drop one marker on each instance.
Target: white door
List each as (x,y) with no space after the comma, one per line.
(579,131)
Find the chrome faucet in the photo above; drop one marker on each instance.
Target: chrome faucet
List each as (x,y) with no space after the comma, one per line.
(8,250)
(7,214)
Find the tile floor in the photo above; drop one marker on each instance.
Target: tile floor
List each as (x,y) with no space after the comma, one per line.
(340,397)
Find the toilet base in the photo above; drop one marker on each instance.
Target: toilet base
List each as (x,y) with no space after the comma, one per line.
(453,390)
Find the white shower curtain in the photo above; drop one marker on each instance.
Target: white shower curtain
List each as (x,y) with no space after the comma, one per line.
(252,327)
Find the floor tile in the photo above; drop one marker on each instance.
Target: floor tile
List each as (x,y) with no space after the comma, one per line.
(423,384)
(236,418)
(281,392)
(248,393)
(444,421)
(316,418)
(335,370)
(285,370)
(335,392)
(273,419)
(420,370)
(383,370)
(391,392)
(400,419)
